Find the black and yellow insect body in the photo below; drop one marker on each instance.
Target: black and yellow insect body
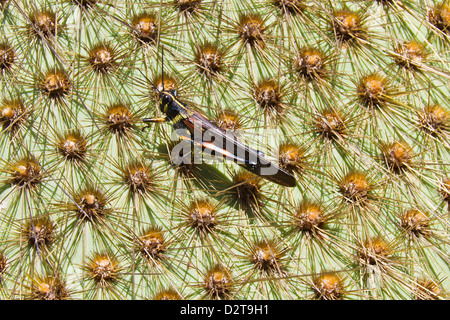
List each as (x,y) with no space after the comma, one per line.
(195,127)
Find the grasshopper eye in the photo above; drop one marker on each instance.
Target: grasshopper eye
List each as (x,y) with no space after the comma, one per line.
(164,101)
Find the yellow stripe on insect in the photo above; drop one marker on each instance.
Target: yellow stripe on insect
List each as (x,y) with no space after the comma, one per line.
(178,118)
(211,146)
(165,106)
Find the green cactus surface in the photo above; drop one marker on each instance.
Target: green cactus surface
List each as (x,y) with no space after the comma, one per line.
(349,97)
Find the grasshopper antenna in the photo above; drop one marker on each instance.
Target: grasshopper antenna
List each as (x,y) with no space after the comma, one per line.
(162,74)
(152,120)
(149,81)
(162,66)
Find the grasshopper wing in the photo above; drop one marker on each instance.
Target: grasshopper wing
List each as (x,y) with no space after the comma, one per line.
(217,141)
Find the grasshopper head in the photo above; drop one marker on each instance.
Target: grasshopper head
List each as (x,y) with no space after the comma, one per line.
(166,97)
